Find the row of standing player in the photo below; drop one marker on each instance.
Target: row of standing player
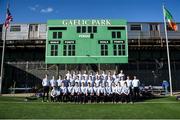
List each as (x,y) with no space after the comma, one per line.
(95,82)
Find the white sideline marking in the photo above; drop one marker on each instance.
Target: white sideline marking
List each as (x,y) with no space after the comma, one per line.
(92,103)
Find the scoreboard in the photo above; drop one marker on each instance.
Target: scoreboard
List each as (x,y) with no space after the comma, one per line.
(86,41)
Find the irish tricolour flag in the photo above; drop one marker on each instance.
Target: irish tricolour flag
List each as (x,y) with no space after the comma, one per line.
(170,19)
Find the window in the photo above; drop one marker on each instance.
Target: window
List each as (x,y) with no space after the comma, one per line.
(119,49)
(116,34)
(54,35)
(89,29)
(16,28)
(69,50)
(54,50)
(36,27)
(86,29)
(78,29)
(136,27)
(104,49)
(113,34)
(57,35)
(154,27)
(33,27)
(94,29)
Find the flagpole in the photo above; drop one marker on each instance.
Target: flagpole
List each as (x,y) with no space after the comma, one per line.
(167,46)
(2,60)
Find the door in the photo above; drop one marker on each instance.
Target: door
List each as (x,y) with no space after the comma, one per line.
(154,30)
(33,31)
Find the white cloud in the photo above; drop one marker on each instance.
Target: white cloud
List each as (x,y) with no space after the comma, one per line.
(47,10)
(34,8)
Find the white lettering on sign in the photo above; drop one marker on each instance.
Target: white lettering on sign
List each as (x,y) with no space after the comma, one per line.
(69,42)
(84,36)
(118,41)
(86,22)
(104,41)
(54,42)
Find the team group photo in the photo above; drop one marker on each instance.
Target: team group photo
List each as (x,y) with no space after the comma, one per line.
(89,59)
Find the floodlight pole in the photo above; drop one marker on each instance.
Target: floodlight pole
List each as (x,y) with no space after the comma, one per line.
(2,61)
(167,46)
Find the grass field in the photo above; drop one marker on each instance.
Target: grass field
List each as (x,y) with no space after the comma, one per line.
(16,107)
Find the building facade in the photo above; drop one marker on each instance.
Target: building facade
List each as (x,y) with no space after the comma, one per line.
(147,57)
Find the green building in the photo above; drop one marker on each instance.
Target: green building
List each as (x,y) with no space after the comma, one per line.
(86,41)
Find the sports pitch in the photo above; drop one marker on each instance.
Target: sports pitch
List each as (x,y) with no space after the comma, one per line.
(159,108)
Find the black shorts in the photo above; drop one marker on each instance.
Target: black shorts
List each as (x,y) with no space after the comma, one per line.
(46,88)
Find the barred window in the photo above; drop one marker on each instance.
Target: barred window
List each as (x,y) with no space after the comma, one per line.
(54,50)
(16,28)
(57,35)
(116,34)
(119,49)
(69,50)
(104,49)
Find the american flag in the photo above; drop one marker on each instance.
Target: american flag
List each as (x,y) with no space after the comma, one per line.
(9,18)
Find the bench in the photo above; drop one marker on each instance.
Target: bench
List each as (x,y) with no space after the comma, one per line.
(13,90)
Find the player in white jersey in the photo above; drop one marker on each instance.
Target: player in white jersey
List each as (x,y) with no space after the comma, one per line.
(101,93)
(85,75)
(125,93)
(45,84)
(79,75)
(109,74)
(96,93)
(89,93)
(129,84)
(108,92)
(59,81)
(53,82)
(72,78)
(70,97)
(97,81)
(114,75)
(109,80)
(76,90)
(64,92)
(116,80)
(114,92)
(92,75)
(121,75)
(83,81)
(68,75)
(119,89)
(136,85)
(104,75)
(54,94)
(97,75)
(122,81)
(77,80)
(90,80)
(83,93)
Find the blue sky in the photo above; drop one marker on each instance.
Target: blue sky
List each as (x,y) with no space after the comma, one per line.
(38,11)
